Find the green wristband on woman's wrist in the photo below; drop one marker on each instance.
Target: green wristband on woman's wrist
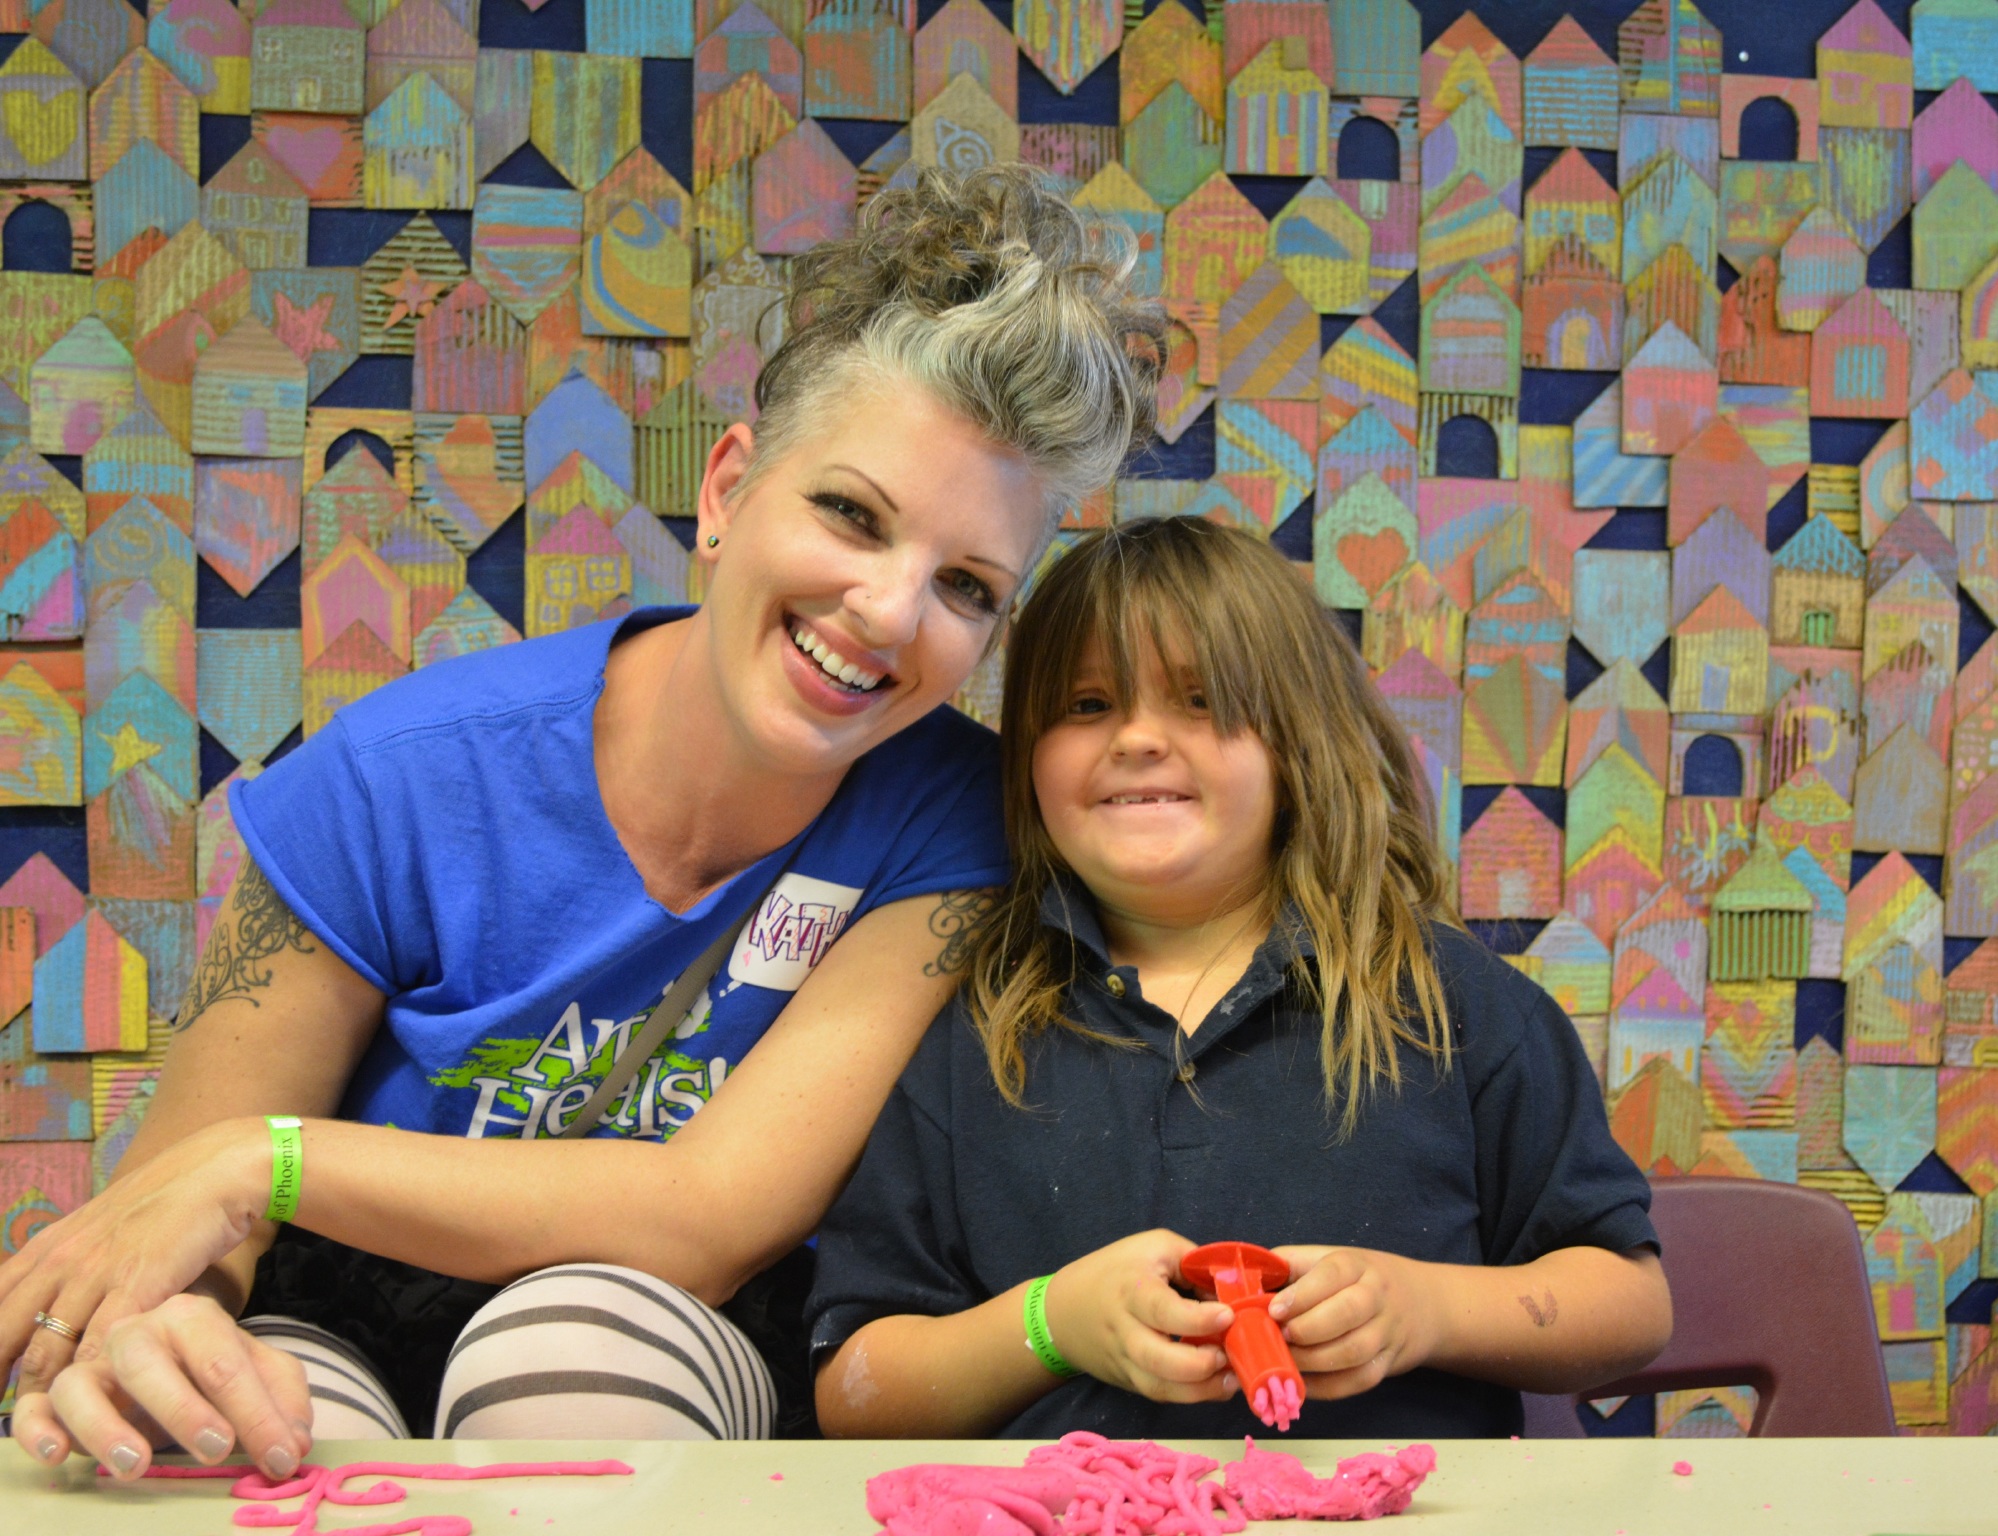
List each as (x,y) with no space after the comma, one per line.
(1039,1340)
(287,1165)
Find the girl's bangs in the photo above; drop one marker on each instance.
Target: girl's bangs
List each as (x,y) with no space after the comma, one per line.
(1137,604)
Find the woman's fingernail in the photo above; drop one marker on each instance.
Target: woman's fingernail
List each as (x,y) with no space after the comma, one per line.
(124,1460)
(279,1462)
(303,1429)
(48,1448)
(210,1444)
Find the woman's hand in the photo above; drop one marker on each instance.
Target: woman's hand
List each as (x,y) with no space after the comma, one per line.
(184,1374)
(1354,1317)
(145,1239)
(1114,1314)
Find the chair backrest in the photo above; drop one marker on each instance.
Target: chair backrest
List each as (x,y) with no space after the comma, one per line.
(1769,1290)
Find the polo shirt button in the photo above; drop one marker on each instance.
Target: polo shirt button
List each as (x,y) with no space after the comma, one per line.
(1114,984)
(1186,1071)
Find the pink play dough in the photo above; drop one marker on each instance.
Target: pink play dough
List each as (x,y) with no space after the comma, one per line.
(317,1485)
(1272,1485)
(1089,1486)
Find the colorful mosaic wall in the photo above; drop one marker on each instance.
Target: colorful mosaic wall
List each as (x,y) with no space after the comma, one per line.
(1637,411)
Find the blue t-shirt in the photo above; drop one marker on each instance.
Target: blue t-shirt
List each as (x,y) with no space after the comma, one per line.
(446,838)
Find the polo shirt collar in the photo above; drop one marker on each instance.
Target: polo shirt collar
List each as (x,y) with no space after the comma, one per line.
(1068,908)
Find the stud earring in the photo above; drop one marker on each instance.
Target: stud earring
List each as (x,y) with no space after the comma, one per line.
(714,540)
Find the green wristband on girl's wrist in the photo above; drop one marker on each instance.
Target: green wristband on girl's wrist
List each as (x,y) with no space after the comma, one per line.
(1039,1340)
(287,1165)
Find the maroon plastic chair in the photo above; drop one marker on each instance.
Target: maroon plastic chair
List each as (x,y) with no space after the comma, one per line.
(1769,1290)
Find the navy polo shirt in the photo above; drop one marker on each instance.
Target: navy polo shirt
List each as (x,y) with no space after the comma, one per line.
(1227,1134)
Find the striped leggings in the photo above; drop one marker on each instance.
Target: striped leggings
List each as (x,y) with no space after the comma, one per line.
(576,1352)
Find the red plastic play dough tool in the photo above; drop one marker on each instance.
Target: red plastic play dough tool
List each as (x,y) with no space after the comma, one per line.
(1244,1277)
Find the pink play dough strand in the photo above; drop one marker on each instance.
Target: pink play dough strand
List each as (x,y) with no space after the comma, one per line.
(317,1485)
(1089,1486)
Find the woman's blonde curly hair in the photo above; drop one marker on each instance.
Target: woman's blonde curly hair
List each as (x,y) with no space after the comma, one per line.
(999,299)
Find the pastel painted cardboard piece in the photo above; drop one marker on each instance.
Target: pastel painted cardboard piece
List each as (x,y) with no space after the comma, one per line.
(1375,44)
(41,577)
(526,245)
(1953,442)
(1213,240)
(1748,1065)
(748,42)
(1820,267)
(1067,39)
(466,624)
(48,737)
(1670,57)
(1511,862)
(416,149)
(578,573)
(1657,1118)
(1739,92)
(1670,206)
(308,56)
(354,586)
(1894,1011)
(1669,391)
(1467,61)
(142,100)
(1271,443)
(1604,474)
(1470,338)
(352,666)
(90,992)
(1515,724)
(325,155)
(1953,234)
(79,388)
(1269,340)
(585,114)
(1905,1271)
(1860,361)
(1955,39)
(1366,369)
(1367,445)
(1868,180)
(1571,313)
(1762,921)
(470,353)
(1170,148)
(1391,210)
(42,129)
(1622,602)
(1322,246)
(1890,1120)
(503,104)
(858,61)
(1277,115)
(40,1182)
(1753,345)
(206,43)
(1720,658)
(966,38)
(1967,1125)
(403,281)
(1570,91)
(1760,206)
(249,699)
(1470,227)
(1473,141)
(1866,72)
(42,1098)
(1901,797)
(1958,125)
(1717,470)
(139,632)
(257,209)
(1707,840)
(1413,612)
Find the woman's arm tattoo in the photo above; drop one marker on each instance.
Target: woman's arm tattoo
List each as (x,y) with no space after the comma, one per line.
(956,920)
(254,927)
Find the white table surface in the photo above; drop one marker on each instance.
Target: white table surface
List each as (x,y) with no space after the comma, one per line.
(1909,1487)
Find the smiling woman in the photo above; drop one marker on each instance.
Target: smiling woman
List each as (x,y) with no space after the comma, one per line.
(473,891)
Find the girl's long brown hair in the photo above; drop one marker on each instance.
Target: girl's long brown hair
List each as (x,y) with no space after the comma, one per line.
(1353,854)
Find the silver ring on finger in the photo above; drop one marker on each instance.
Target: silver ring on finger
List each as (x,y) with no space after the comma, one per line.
(58,1327)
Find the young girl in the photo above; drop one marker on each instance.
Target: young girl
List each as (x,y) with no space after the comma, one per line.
(1223,999)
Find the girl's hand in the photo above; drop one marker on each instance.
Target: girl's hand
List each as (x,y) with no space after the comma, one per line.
(1114,1313)
(145,1239)
(1354,1317)
(182,1373)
